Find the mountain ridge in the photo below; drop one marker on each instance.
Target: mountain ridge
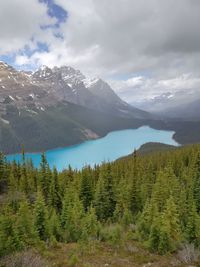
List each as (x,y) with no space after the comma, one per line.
(57,107)
(184,104)
(58,84)
(52,107)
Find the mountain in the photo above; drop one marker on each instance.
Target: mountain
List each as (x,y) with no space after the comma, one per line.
(54,107)
(103,91)
(184,104)
(189,111)
(48,86)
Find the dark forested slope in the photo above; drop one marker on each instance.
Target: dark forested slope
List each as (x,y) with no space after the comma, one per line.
(62,125)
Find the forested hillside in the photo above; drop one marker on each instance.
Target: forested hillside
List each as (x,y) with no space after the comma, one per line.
(152,200)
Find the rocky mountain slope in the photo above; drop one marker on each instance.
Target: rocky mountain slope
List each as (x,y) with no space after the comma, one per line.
(46,87)
(103,91)
(54,107)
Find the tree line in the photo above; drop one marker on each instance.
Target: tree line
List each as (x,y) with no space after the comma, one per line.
(154,199)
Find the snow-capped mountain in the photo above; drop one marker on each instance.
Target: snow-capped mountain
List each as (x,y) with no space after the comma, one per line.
(48,86)
(182,104)
(54,107)
(103,91)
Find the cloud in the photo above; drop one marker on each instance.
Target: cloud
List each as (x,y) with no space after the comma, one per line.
(154,42)
(132,36)
(137,90)
(21,23)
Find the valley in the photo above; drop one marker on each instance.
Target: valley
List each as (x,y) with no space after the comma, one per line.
(58,107)
(99,133)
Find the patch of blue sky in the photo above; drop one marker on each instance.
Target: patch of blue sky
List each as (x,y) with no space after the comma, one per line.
(41,47)
(10,59)
(55,11)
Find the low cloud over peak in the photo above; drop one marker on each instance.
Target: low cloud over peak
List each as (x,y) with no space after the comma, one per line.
(155,39)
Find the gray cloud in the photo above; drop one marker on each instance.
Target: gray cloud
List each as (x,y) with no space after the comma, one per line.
(20,22)
(140,89)
(157,40)
(132,36)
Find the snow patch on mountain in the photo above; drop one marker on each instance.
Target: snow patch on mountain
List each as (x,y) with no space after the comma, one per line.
(88,82)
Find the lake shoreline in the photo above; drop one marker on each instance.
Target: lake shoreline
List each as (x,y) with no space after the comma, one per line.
(91,139)
(109,148)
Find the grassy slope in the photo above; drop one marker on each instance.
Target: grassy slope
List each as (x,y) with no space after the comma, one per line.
(97,254)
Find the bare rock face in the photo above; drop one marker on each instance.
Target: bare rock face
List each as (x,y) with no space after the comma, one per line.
(46,87)
(54,107)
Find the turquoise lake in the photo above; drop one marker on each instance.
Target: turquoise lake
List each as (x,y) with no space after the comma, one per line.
(109,148)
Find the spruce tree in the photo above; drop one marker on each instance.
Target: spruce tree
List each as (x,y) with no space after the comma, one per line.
(24,186)
(104,201)
(12,183)
(197,183)
(170,234)
(192,230)
(54,227)
(45,177)
(134,199)
(127,218)
(40,217)
(3,174)
(9,235)
(144,224)
(155,234)
(54,197)
(90,225)
(25,224)
(86,194)
(72,217)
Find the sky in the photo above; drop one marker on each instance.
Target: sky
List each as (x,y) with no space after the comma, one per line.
(142,48)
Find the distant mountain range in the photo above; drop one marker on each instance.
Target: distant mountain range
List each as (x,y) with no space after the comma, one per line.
(53,107)
(184,104)
(56,107)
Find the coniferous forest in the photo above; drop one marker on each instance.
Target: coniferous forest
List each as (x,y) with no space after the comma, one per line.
(153,200)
